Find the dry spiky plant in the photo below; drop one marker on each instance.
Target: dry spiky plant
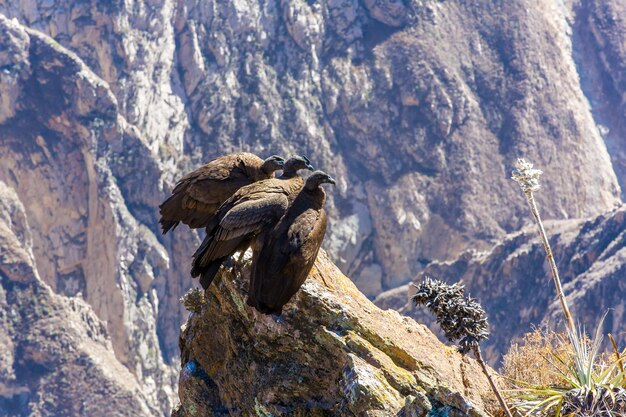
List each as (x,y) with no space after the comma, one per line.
(608,402)
(461,318)
(572,379)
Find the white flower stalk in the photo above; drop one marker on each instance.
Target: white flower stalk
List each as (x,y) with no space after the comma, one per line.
(528,179)
(526,176)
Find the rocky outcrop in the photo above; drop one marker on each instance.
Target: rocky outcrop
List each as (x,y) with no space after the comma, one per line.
(57,357)
(331,353)
(513,283)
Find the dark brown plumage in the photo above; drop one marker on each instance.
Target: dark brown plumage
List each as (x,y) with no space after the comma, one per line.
(288,251)
(198,195)
(242,217)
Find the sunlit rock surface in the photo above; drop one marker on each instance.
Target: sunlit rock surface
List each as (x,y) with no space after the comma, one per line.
(56,358)
(418,108)
(59,152)
(331,353)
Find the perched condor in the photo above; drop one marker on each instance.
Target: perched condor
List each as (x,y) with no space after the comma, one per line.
(198,195)
(251,210)
(287,252)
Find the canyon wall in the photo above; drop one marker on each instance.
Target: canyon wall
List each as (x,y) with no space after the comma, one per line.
(513,282)
(417,107)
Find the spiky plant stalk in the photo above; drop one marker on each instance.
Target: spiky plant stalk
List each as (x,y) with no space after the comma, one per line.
(461,318)
(494,388)
(528,179)
(589,392)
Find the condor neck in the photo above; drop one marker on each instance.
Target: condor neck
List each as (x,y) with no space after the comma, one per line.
(316,193)
(266,170)
(288,173)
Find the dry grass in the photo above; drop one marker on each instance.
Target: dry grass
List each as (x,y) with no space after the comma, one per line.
(551,374)
(532,361)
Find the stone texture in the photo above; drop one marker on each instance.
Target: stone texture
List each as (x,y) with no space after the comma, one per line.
(331,353)
(513,283)
(599,30)
(422,103)
(418,107)
(58,154)
(53,341)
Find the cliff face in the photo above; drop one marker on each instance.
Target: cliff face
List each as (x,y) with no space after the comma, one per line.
(417,107)
(512,280)
(57,358)
(331,353)
(62,139)
(599,28)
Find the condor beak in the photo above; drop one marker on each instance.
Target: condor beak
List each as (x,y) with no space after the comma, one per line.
(331,180)
(308,163)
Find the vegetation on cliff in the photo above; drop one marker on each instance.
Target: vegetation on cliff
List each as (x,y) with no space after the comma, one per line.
(589,384)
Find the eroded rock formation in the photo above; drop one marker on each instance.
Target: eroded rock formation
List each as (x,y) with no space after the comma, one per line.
(427,103)
(60,148)
(420,106)
(331,353)
(56,358)
(599,30)
(512,280)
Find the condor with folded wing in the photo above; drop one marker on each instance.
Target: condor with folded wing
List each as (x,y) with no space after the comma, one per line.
(287,252)
(198,195)
(249,212)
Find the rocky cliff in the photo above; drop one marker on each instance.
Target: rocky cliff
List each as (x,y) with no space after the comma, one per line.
(512,279)
(417,106)
(62,141)
(57,358)
(331,353)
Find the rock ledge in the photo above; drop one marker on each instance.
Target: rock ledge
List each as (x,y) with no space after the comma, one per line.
(332,353)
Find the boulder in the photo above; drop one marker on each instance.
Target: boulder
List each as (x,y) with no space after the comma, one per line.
(331,353)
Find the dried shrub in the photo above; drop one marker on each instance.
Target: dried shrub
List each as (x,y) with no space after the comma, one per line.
(552,375)
(460,317)
(531,360)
